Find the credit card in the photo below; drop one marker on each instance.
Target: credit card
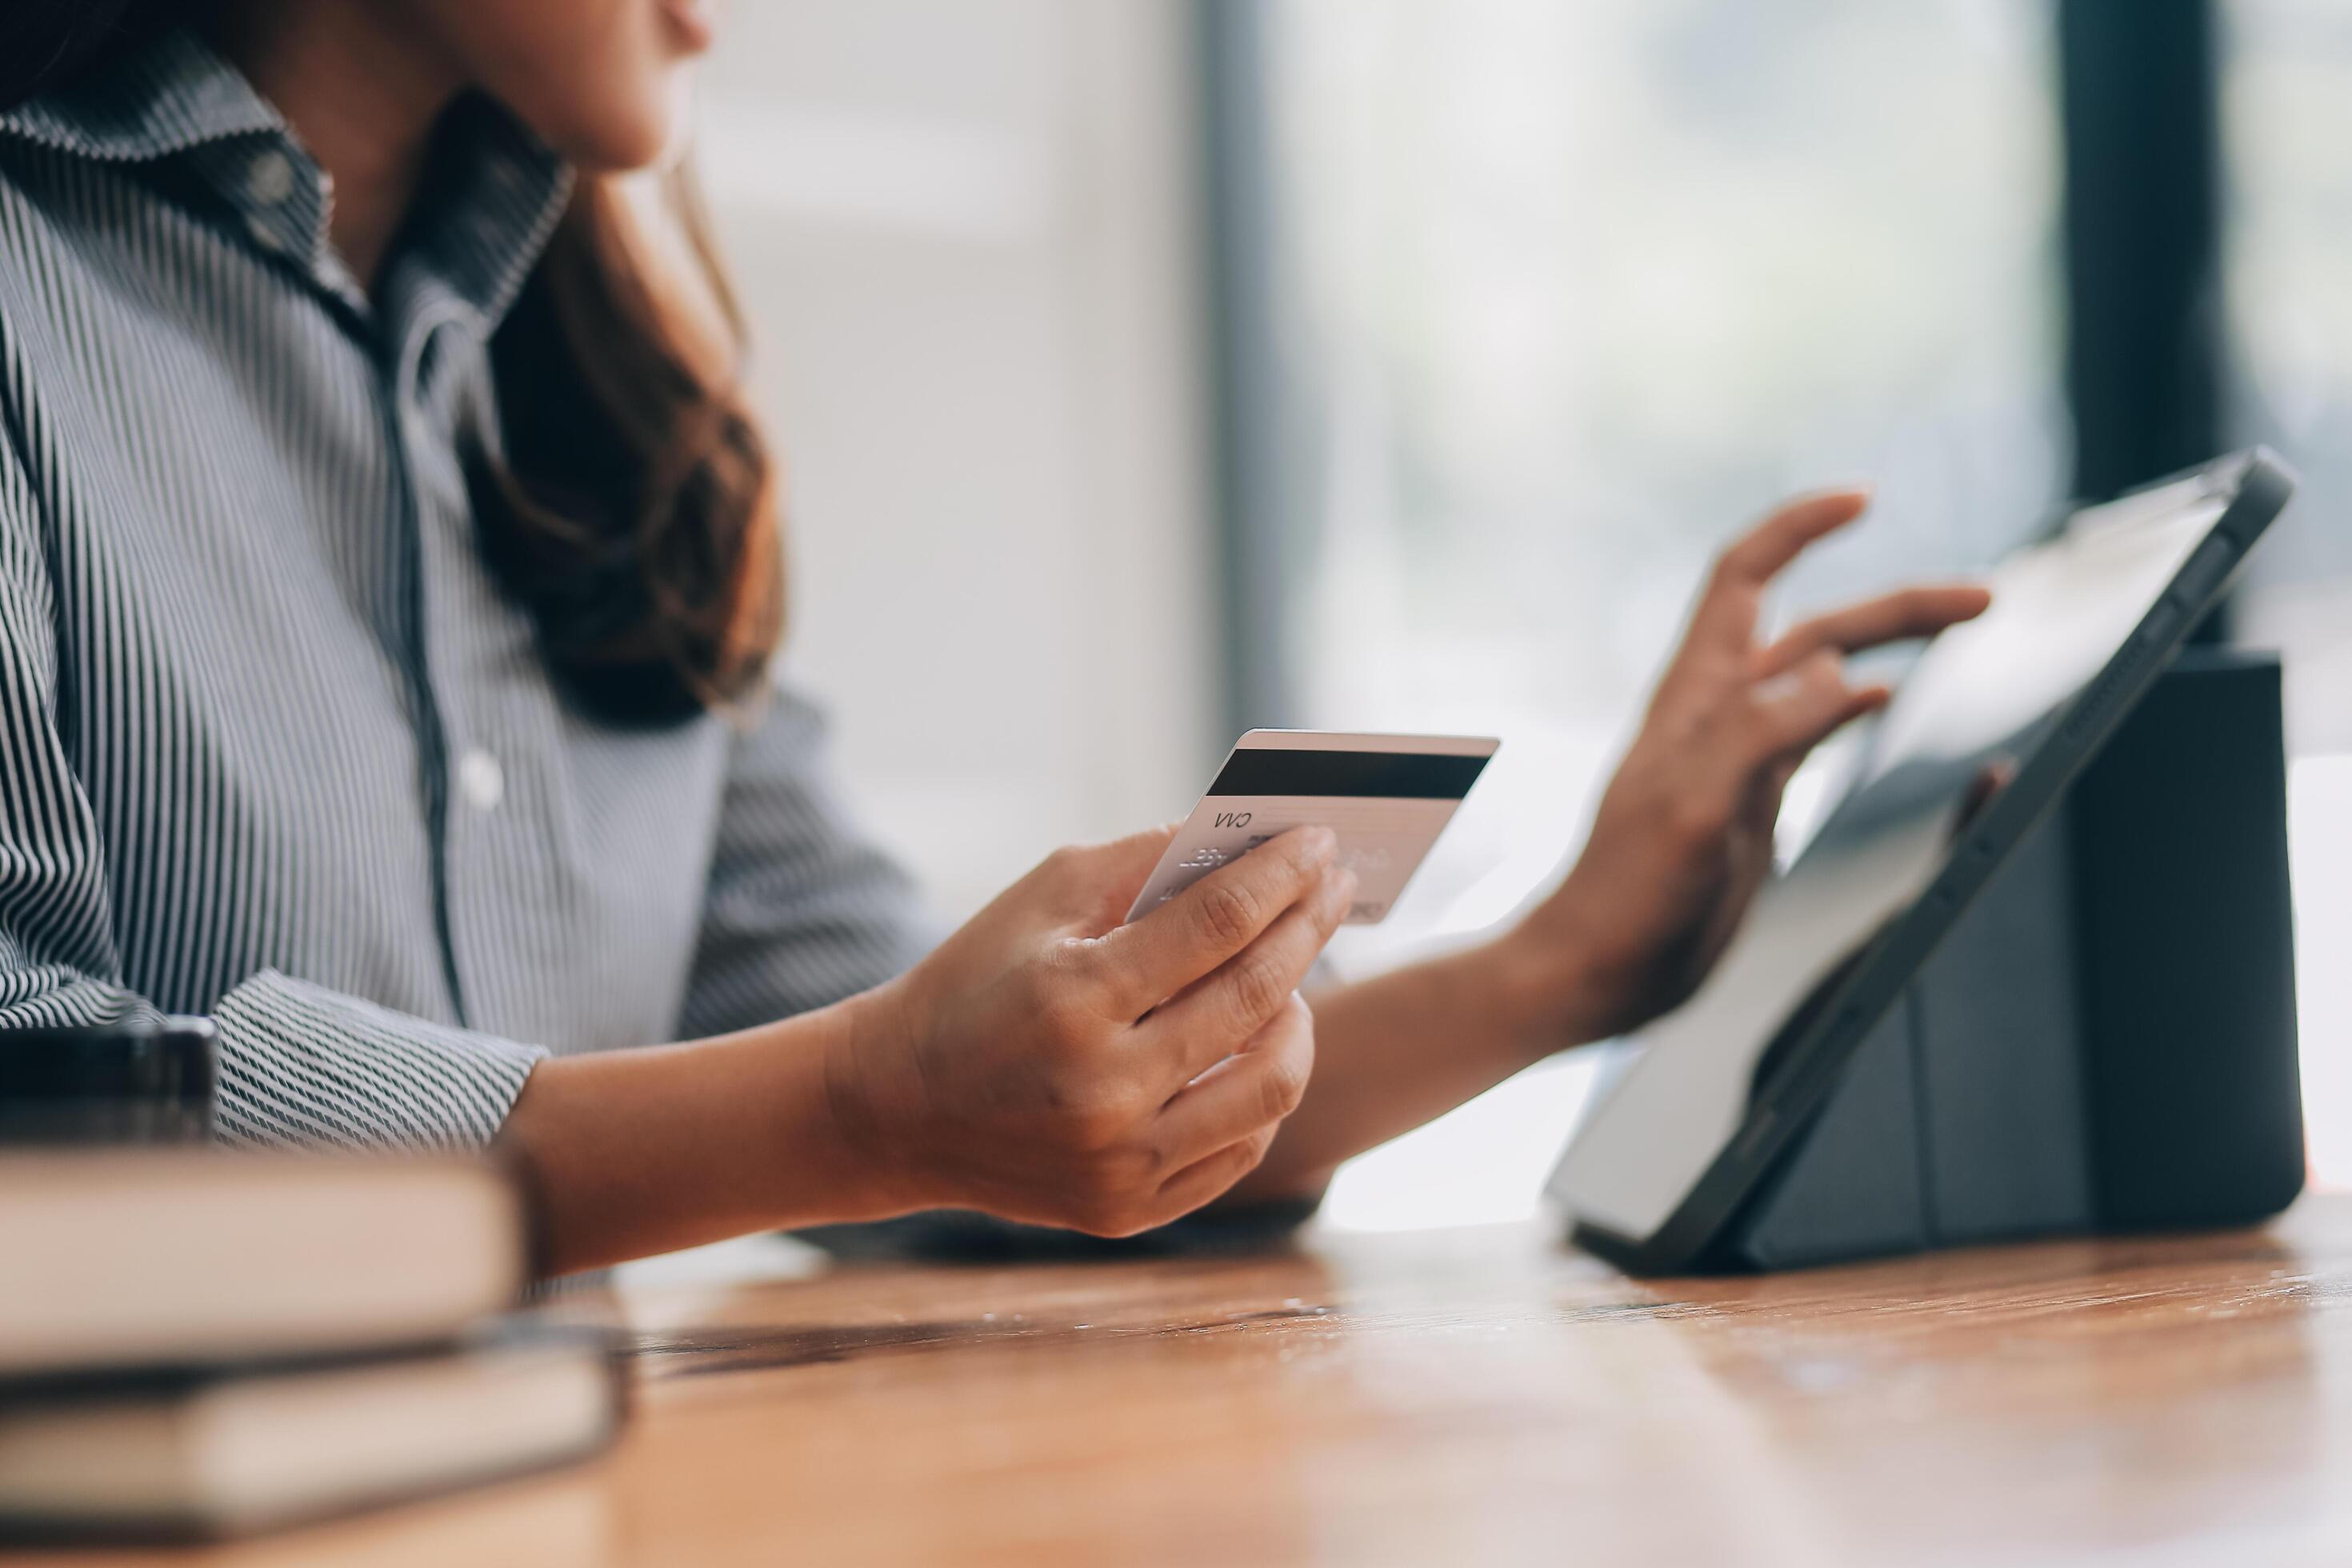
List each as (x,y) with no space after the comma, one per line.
(1387,796)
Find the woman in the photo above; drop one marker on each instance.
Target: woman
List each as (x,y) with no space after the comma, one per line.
(389,581)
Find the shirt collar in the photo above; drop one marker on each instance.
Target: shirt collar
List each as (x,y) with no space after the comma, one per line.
(491,199)
(492,195)
(167,96)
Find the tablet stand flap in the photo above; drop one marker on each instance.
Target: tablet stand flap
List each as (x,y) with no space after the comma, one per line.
(1856,1192)
(2106,1040)
(2188,956)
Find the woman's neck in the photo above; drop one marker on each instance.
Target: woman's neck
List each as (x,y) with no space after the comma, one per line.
(361,91)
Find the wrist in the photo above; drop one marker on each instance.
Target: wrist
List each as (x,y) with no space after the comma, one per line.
(1544,974)
(626,1154)
(865,1105)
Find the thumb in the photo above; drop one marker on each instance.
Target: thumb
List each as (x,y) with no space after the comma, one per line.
(1104,878)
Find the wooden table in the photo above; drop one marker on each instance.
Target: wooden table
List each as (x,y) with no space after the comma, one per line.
(1475,1397)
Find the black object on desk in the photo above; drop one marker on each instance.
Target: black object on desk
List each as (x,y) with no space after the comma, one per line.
(143,1080)
(2107,1040)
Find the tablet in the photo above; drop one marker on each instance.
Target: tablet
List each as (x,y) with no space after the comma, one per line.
(1703,1101)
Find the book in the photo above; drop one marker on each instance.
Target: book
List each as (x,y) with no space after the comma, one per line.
(230,1453)
(130,1260)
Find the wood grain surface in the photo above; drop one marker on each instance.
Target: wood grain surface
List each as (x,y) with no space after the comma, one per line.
(1473,1396)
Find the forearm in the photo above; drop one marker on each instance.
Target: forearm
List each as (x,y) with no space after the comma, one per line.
(632,1152)
(1396,1050)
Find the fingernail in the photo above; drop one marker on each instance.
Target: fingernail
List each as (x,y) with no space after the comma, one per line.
(1322,843)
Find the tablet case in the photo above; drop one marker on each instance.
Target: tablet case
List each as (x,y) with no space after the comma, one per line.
(2106,1040)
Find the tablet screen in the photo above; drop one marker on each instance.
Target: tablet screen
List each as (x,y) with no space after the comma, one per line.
(1977,702)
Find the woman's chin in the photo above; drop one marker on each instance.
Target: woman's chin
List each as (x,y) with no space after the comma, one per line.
(618,143)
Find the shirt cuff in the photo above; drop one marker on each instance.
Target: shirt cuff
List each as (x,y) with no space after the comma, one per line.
(303,1066)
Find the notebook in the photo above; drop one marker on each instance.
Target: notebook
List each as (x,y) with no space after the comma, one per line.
(230,1453)
(155,1258)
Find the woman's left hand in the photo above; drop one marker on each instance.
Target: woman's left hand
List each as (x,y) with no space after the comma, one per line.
(1684,835)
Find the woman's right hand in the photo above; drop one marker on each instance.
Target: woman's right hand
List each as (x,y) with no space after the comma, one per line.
(1050,1065)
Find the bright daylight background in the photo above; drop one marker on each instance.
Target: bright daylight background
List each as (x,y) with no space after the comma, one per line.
(1564,293)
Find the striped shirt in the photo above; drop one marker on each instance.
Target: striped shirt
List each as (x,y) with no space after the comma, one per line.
(273,746)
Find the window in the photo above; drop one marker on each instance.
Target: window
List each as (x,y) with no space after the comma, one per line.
(2289,250)
(1556,297)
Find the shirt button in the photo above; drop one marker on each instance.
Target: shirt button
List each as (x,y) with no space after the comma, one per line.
(263,234)
(270,179)
(481,782)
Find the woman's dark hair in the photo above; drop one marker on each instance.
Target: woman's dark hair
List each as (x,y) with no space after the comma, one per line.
(633,510)
(46,42)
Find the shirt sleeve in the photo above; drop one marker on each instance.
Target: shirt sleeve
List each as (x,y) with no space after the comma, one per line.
(803,909)
(299,1065)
